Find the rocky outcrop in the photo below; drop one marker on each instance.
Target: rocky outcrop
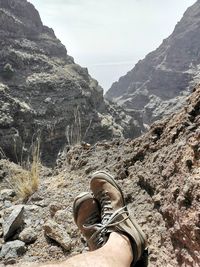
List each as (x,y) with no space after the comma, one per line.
(12,250)
(44,93)
(159,175)
(15,119)
(13,222)
(158,172)
(158,85)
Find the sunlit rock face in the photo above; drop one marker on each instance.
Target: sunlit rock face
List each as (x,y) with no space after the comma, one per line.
(64,104)
(158,84)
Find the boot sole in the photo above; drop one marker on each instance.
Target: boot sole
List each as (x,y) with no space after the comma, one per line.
(78,201)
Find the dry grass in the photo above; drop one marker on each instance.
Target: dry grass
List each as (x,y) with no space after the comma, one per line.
(74,132)
(2,154)
(26,180)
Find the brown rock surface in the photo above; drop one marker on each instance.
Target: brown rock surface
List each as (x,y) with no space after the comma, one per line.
(159,173)
(57,233)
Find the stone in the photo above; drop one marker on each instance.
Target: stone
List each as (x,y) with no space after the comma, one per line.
(53,208)
(32,208)
(7,194)
(57,233)
(9,261)
(28,235)
(13,222)
(2,173)
(63,216)
(12,249)
(7,204)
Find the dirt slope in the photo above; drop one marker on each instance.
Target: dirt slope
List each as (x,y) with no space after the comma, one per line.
(159,174)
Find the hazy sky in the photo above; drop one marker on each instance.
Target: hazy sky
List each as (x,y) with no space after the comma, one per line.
(110,36)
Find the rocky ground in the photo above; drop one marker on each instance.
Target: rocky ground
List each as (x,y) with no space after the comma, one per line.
(41,87)
(159,173)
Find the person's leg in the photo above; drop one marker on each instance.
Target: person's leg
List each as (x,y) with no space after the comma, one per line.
(117,252)
(102,218)
(115,216)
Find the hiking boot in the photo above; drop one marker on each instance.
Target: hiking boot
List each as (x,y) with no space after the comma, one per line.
(87,216)
(114,214)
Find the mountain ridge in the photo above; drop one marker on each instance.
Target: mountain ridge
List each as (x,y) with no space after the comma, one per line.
(168,72)
(67,103)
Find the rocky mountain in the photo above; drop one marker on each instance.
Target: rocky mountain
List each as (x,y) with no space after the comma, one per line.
(158,84)
(158,172)
(44,94)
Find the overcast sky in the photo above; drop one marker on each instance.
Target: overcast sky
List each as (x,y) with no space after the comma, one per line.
(110,36)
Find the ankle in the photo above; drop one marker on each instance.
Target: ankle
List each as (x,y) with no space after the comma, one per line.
(120,246)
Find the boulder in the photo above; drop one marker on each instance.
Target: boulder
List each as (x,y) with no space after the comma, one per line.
(28,235)
(13,222)
(54,207)
(12,249)
(57,233)
(7,194)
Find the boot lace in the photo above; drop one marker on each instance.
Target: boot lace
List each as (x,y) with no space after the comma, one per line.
(102,230)
(109,219)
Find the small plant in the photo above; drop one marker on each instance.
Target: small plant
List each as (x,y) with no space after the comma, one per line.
(74,131)
(8,71)
(26,181)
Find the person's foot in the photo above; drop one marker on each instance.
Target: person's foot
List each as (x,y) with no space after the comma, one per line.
(87,217)
(114,214)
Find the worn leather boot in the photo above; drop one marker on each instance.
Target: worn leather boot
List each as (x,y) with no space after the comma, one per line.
(114,214)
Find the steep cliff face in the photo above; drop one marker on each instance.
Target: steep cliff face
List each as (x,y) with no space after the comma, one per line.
(157,85)
(15,117)
(67,104)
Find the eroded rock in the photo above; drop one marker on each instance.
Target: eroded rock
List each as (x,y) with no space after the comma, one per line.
(13,222)
(57,233)
(7,194)
(28,235)
(12,249)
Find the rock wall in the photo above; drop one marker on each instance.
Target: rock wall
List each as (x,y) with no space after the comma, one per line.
(158,84)
(66,104)
(15,117)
